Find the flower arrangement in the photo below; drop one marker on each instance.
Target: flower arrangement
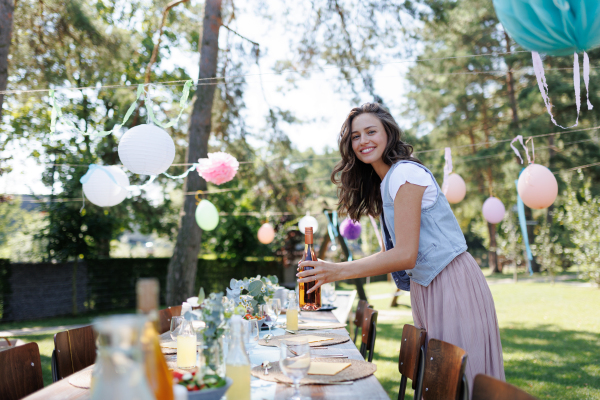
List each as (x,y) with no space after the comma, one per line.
(251,292)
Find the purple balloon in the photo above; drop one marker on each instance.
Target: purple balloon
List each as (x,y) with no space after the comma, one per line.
(350,229)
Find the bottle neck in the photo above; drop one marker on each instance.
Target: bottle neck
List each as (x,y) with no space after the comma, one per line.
(236,354)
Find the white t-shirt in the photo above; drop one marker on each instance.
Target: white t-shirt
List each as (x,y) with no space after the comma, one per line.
(416,175)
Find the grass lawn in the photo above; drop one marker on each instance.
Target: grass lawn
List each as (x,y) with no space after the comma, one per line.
(550,337)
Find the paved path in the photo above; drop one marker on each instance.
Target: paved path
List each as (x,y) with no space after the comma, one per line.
(37,331)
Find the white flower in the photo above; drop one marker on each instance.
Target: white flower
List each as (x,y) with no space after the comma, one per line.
(193,301)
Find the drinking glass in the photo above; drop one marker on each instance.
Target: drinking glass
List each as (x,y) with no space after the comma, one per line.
(275,304)
(251,333)
(175,327)
(294,361)
(266,312)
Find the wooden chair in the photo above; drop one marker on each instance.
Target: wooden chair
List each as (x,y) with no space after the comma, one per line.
(369,333)
(411,360)
(444,377)
(175,311)
(488,388)
(358,317)
(20,371)
(164,320)
(74,350)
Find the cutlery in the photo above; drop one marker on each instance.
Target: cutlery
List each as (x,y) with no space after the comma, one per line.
(292,332)
(268,337)
(320,383)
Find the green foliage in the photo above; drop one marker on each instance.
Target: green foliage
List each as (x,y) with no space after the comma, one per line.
(548,250)
(510,243)
(581,216)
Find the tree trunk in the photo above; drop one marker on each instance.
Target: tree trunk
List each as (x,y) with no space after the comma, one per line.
(492,255)
(7,7)
(181,274)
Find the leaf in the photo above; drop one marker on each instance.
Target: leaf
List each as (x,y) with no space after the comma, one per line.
(201,295)
(232,283)
(254,288)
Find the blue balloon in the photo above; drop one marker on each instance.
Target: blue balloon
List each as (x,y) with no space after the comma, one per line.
(554,27)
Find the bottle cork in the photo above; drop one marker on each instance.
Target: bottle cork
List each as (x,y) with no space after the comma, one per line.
(308,235)
(147,294)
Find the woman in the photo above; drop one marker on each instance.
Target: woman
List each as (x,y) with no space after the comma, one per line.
(425,248)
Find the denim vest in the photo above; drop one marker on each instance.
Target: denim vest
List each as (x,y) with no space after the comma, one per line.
(440,238)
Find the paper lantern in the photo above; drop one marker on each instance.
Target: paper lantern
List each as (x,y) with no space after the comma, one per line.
(266,233)
(454,188)
(493,210)
(105,186)
(559,27)
(350,229)
(147,150)
(308,221)
(207,215)
(537,187)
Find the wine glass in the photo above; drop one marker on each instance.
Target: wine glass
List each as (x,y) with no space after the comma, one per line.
(266,312)
(251,333)
(175,327)
(275,304)
(294,361)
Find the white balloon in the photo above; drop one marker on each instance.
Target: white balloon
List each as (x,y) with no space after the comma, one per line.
(493,210)
(308,221)
(102,191)
(147,150)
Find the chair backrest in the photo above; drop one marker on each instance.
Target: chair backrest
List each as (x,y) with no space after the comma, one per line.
(488,388)
(175,311)
(164,320)
(20,371)
(444,370)
(410,347)
(74,349)
(369,333)
(360,310)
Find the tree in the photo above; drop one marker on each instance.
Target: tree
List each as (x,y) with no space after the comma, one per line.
(181,274)
(7,8)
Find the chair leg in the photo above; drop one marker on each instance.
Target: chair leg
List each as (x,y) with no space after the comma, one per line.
(402,390)
(363,350)
(355,333)
(465,388)
(54,367)
(420,374)
(372,345)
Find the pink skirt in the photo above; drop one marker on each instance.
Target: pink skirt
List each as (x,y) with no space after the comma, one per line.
(457,307)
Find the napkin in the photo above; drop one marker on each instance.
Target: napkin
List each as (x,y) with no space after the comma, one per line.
(324,368)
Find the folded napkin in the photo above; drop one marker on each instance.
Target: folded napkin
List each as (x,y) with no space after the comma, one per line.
(324,368)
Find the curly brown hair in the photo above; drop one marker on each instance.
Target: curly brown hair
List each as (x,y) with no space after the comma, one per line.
(358,184)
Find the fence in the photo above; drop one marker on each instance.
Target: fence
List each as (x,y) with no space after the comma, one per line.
(40,290)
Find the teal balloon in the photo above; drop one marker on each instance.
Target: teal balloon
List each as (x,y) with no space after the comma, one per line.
(207,215)
(554,27)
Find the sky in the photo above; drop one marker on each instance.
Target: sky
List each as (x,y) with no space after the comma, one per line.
(315,100)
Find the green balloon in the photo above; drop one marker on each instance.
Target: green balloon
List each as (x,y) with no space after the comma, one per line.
(207,215)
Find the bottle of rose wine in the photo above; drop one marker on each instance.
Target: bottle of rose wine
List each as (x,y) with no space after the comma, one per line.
(309,301)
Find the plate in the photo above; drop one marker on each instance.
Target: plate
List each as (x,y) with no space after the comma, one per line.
(210,394)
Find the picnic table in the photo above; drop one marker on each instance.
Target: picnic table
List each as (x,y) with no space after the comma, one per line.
(367,388)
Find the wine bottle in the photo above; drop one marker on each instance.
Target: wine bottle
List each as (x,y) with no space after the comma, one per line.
(157,373)
(309,301)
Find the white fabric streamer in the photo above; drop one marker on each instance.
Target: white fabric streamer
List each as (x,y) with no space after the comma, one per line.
(520,139)
(538,67)
(586,78)
(448,164)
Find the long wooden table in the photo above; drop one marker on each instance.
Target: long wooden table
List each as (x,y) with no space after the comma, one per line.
(367,388)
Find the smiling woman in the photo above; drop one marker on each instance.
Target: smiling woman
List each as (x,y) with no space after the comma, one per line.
(425,250)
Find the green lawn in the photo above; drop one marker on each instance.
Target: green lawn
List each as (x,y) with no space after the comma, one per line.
(550,336)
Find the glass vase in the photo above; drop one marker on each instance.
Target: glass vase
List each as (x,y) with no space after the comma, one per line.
(213,360)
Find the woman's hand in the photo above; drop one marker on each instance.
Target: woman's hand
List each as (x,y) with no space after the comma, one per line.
(322,272)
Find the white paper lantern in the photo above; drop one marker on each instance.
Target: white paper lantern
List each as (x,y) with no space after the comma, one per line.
(147,150)
(308,221)
(102,191)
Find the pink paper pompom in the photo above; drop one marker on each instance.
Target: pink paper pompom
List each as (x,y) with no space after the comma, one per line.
(218,168)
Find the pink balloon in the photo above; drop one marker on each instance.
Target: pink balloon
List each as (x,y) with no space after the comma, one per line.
(537,187)
(493,210)
(266,233)
(454,188)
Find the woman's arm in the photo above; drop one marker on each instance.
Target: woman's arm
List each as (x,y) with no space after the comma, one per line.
(407,224)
